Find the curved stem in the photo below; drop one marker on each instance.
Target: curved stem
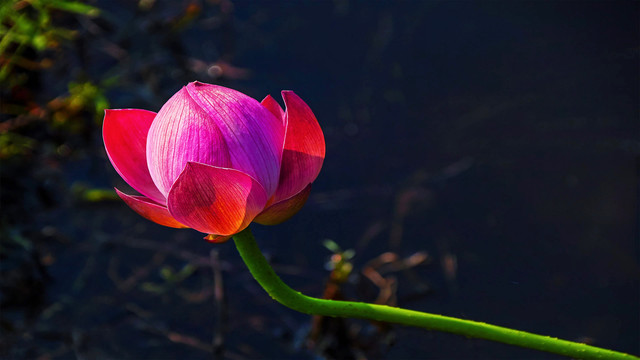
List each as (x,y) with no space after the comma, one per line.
(264,274)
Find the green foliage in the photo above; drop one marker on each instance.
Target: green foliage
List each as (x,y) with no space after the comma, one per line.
(29,25)
(83,97)
(12,144)
(340,262)
(171,279)
(32,33)
(82,192)
(72,6)
(336,249)
(87,95)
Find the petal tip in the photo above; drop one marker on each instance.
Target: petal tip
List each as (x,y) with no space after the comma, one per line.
(217,239)
(268,98)
(150,210)
(287,94)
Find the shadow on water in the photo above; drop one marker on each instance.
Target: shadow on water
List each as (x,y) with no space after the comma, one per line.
(481,163)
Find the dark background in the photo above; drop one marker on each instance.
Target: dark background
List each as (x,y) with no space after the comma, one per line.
(500,138)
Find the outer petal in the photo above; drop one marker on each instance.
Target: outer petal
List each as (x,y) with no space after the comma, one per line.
(150,210)
(253,135)
(273,107)
(304,148)
(283,210)
(125,138)
(217,239)
(183,132)
(215,200)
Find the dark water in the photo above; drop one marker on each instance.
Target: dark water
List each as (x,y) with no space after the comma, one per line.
(503,139)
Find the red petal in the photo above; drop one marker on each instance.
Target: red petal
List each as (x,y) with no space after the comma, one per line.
(125,138)
(215,200)
(283,210)
(273,107)
(304,148)
(150,210)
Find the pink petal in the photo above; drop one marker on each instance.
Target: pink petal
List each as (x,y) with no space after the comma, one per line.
(304,148)
(124,133)
(183,132)
(283,210)
(273,107)
(215,200)
(150,210)
(253,135)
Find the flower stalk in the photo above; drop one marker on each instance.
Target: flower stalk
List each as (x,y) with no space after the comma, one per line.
(281,292)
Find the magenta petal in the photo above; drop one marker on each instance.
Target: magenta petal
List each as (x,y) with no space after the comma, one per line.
(252,133)
(215,200)
(304,148)
(272,105)
(284,209)
(150,210)
(125,138)
(182,132)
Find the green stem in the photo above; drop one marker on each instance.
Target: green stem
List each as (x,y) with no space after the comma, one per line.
(281,292)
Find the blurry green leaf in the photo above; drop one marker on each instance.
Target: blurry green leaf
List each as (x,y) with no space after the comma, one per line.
(44,19)
(39,42)
(6,40)
(75,7)
(23,23)
(349,254)
(28,24)
(82,192)
(153,288)
(101,104)
(172,277)
(110,81)
(62,33)
(14,79)
(185,272)
(4,72)
(166,273)
(331,245)
(146,5)
(95,195)
(6,9)
(12,144)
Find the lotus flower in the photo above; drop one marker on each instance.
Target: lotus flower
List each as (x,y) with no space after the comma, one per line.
(214,159)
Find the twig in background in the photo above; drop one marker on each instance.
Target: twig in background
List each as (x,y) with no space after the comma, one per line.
(220,305)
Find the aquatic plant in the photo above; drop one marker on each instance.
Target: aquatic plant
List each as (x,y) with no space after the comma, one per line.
(215,160)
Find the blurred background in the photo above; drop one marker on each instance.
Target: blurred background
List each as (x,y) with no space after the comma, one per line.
(483,162)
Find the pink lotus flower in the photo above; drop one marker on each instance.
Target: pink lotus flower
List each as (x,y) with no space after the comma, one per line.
(214,159)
